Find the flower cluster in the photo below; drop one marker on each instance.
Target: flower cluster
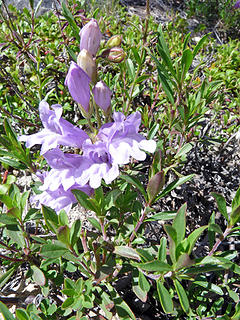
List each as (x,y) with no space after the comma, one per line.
(101,154)
(100,159)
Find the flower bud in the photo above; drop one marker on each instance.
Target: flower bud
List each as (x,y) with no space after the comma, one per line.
(88,64)
(102,95)
(114,41)
(115,54)
(78,83)
(90,37)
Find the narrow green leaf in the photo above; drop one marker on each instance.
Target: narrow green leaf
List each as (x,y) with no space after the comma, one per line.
(136,55)
(95,223)
(186,62)
(70,18)
(210,286)
(162,251)
(7,275)
(165,215)
(215,227)
(235,216)
(174,185)
(21,314)
(75,232)
(164,297)
(186,40)
(51,218)
(182,296)
(123,310)
(38,275)
(221,203)
(130,68)
(200,44)
(135,181)
(154,266)
(63,218)
(192,238)
(140,292)
(53,250)
(179,223)
(7,315)
(84,200)
(127,252)
(143,283)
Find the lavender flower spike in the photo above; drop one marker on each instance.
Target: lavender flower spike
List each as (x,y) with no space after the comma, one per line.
(56,131)
(78,85)
(90,37)
(102,95)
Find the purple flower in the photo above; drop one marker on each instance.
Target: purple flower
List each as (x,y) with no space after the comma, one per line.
(56,131)
(59,199)
(237,5)
(90,37)
(78,85)
(123,140)
(102,95)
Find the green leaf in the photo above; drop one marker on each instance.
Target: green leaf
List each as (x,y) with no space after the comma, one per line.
(182,296)
(140,292)
(192,238)
(165,215)
(95,223)
(123,310)
(210,286)
(135,181)
(21,314)
(153,266)
(8,220)
(7,275)
(53,250)
(174,185)
(7,315)
(63,235)
(179,223)
(235,216)
(127,252)
(84,200)
(70,18)
(63,218)
(162,251)
(75,232)
(130,68)
(200,44)
(51,218)
(221,203)
(186,61)
(186,40)
(136,55)
(172,234)
(164,297)
(215,227)
(38,276)
(184,150)
(143,283)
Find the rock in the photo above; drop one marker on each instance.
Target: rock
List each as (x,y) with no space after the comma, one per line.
(45,5)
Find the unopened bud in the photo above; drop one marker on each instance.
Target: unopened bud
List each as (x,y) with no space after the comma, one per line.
(115,54)
(88,64)
(102,96)
(90,37)
(114,41)
(155,185)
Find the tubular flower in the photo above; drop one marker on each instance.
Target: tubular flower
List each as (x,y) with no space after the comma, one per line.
(90,37)
(237,5)
(56,131)
(102,95)
(78,83)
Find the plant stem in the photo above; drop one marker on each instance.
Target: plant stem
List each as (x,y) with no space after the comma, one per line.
(138,225)
(11,259)
(219,241)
